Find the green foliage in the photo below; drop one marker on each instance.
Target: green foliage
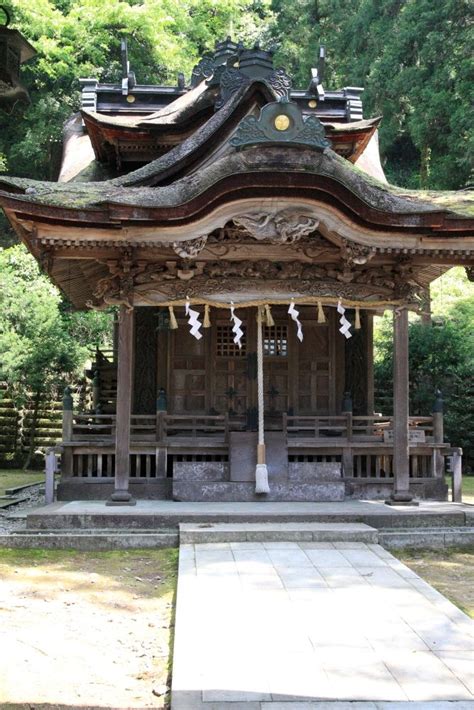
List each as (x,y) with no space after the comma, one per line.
(410,55)
(81,38)
(441,356)
(413,58)
(41,346)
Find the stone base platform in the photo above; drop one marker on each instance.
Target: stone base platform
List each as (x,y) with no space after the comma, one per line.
(150,515)
(242,491)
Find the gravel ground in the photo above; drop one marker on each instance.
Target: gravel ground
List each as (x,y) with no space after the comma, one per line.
(89,630)
(9,517)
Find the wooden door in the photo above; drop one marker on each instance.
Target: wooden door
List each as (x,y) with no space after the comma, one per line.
(314,379)
(229,377)
(275,370)
(188,392)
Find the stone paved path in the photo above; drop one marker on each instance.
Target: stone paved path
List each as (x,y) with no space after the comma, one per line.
(291,626)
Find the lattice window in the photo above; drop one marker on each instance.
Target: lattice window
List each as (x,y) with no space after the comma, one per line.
(225,343)
(275,341)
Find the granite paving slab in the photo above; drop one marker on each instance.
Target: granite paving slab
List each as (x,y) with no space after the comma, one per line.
(308,626)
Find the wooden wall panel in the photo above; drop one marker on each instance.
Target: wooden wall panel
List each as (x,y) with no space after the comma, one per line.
(145,382)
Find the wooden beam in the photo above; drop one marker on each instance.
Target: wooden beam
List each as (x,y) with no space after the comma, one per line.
(121,494)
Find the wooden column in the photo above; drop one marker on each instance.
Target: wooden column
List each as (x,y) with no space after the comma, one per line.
(438,436)
(121,494)
(369,344)
(401,453)
(67,434)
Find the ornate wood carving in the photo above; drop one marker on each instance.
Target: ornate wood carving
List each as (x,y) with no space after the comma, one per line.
(285,227)
(173,280)
(189,249)
(117,288)
(353,253)
(203,286)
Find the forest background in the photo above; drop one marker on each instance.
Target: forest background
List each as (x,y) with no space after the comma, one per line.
(412,56)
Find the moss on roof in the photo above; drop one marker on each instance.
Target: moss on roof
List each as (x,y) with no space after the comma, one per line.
(136,188)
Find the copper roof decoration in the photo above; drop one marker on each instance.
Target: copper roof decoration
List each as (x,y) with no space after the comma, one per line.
(14,51)
(281,122)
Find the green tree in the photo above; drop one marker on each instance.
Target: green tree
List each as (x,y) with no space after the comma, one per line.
(414,59)
(81,38)
(42,346)
(441,357)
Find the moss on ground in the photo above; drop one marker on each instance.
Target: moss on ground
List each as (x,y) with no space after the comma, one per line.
(10,478)
(449,571)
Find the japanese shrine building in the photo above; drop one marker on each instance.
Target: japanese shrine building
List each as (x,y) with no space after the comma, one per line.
(247,235)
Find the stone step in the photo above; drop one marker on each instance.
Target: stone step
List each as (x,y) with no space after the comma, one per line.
(272,532)
(12,501)
(18,489)
(125,530)
(89,540)
(427,538)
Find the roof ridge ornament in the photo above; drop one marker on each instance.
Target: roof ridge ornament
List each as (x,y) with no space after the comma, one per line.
(281,122)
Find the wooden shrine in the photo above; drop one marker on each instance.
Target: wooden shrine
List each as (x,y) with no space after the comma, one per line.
(246,255)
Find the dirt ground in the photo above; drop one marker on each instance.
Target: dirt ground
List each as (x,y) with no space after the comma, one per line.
(450,571)
(88,630)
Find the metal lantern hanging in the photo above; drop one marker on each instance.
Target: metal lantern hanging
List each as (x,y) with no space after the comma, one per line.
(14,50)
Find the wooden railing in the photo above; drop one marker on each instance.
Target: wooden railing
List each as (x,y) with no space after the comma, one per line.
(363,444)
(376,429)
(206,427)
(88,427)
(159,429)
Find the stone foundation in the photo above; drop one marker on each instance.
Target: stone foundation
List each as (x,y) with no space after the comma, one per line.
(82,489)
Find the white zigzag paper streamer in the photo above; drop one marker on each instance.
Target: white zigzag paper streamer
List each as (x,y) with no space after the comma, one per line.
(193,321)
(345,324)
(236,329)
(294,314)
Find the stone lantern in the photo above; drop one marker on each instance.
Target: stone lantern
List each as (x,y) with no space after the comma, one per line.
(14,50)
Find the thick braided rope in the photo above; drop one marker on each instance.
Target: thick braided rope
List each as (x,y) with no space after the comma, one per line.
(304,301)
(260,394)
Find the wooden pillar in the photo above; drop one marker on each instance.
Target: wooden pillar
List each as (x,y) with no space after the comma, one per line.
(401,453)
(261,473)
(67,434)
(369,341)
(121,494)
(438,436)
(456,475)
